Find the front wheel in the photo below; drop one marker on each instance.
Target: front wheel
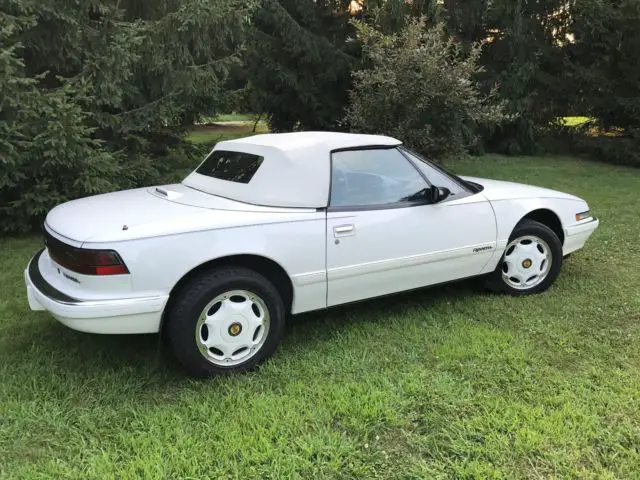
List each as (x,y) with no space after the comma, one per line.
(530,263)
(225,320)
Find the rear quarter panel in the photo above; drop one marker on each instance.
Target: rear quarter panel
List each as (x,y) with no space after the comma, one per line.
(296,242)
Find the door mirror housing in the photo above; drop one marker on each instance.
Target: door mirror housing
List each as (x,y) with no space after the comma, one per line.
(438,194)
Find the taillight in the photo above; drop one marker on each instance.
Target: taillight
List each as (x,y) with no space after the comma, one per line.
(112,270)
(82,260)
(103,262)
(88,262)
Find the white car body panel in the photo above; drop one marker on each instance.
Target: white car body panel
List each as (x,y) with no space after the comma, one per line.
(115,316)
(155,268)
(578,234)
(146,214)
(495,190)
(331,257)
(513,201)
(278,241)
(388,251)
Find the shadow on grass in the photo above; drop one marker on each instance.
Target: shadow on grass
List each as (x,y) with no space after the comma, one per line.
(107,366)
(322,325)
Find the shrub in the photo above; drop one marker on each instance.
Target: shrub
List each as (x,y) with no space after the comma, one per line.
(614,150)
(419,87)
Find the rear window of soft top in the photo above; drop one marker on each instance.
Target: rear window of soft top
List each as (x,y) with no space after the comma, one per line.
(231,166)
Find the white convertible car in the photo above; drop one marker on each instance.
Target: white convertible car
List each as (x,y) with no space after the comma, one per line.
(281,224)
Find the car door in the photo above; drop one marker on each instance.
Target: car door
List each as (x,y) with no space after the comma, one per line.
(383,237)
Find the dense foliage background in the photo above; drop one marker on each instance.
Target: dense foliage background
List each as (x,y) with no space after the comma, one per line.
(418,85)
(97,95)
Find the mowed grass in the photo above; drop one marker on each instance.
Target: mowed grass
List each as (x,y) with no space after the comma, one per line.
(211,134)
(574,121)
(449,382)
(235,117)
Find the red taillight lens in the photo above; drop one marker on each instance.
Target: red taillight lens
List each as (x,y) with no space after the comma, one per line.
(85,261)
(112,270)
(101,262)
(105,258)
(89,262)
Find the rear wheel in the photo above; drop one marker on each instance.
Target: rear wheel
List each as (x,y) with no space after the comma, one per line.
(530,263)
(225,320)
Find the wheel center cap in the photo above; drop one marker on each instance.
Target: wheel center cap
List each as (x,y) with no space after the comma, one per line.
(527,263)
(235,329)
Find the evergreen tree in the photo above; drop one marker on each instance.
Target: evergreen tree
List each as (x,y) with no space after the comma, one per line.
(47,152)
(467,19)
(603,67)
(390,16)
(299,61)
(523,57)
(97,94)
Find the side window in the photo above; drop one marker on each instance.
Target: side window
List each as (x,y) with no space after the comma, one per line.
(373,177)
(434,175)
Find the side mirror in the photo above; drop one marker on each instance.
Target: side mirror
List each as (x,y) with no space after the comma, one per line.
(438,194)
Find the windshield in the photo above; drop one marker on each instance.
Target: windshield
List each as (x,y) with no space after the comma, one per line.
(440,176)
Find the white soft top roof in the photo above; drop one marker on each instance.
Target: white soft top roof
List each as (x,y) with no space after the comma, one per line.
(295,172)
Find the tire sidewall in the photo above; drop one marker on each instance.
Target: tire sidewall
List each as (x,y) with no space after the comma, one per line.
(195,296)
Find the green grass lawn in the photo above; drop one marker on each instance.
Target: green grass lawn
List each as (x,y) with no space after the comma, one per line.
(235,117)
(574,121)
(447,382)
(210,135)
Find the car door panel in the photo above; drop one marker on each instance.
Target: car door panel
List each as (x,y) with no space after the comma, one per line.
(381,251)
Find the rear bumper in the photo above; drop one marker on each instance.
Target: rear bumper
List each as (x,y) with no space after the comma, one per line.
(114,316)
(577,235)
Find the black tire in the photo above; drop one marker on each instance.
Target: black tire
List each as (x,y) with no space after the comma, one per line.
(495,282)
(189,302)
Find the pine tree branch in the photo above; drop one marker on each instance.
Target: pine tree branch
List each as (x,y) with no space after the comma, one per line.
(302,30)
(147,105)
(214,62)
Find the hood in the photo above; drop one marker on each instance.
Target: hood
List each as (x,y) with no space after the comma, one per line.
(495,190)
(154,211)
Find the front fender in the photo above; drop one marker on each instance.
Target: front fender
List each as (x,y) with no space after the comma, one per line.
(510,212)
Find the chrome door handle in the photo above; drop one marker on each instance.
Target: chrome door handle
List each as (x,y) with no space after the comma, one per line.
(343,230)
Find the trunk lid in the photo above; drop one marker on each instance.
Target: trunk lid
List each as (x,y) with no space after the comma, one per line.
(147,212)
